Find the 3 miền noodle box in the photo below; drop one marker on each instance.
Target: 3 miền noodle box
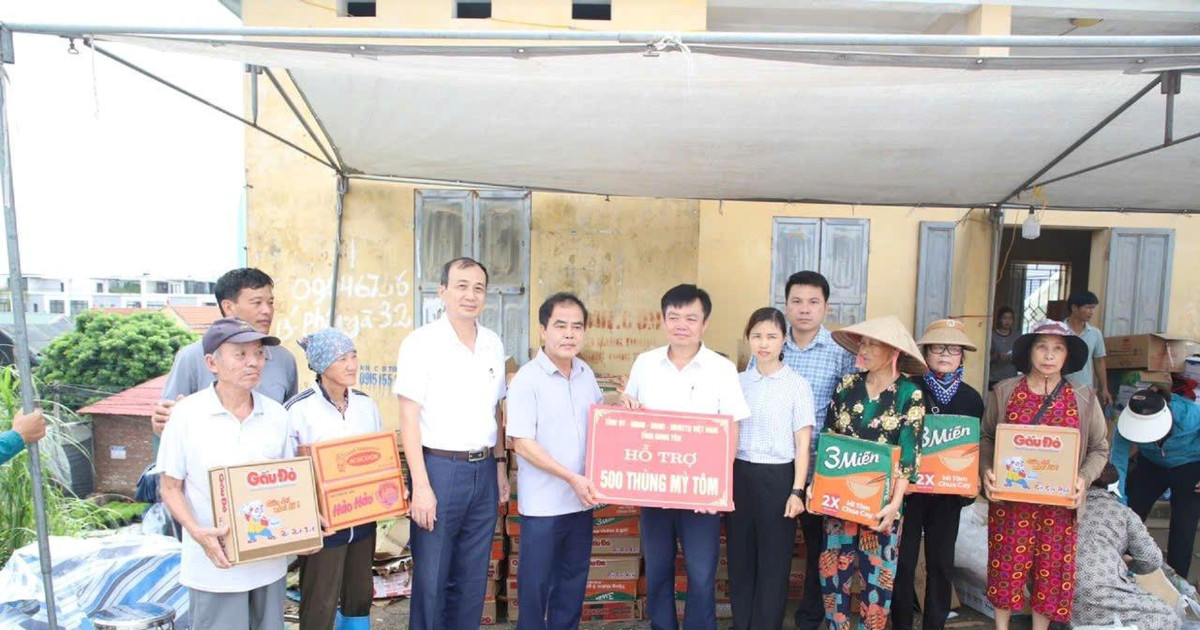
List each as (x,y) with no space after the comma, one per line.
(853,479)
(1036,464)
(358,478)
(949,456)
(270,508)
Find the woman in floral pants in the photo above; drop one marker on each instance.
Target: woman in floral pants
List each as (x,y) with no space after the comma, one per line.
(1028,540)
(881,405)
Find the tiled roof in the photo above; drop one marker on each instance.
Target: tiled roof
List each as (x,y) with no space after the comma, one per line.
(138,400)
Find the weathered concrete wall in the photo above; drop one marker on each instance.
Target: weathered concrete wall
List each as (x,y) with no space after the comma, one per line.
(619,256)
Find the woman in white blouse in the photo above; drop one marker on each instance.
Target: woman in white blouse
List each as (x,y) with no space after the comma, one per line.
(768,477)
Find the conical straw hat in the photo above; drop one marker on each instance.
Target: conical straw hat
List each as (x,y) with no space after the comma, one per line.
(887,330)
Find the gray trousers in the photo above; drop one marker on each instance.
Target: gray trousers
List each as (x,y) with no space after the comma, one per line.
(258,609)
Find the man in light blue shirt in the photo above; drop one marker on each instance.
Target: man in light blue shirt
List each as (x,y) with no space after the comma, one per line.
(811,352)
(1095,372)
(548,404)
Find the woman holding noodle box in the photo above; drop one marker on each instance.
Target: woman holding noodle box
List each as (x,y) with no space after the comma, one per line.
(878,405)
(1043,442)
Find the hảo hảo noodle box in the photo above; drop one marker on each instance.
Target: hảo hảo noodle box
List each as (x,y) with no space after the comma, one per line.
(949,456)
(358,478)
(270,508)
(853,478)
(1036,464)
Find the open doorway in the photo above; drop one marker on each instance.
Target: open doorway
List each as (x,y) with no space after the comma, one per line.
(1037,276)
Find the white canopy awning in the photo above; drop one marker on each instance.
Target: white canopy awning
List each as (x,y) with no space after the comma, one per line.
(721,122)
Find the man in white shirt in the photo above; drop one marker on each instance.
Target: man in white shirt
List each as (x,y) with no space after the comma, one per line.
(548,405)
(449,377)
(227,423)
(684,376)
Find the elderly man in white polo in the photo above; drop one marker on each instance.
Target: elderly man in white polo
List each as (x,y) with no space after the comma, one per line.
(225,424)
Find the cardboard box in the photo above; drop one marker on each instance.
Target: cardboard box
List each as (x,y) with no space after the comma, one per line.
(270,508)
(490,615)
(1157,584)
(1158,352)
(949,456)
(853,479)
(607,511)
(358,478)
(611,611)
(1036,464)
(601,568)
(595,590)
(512,526)
(628,526)
(499,549)
(493,572)
(616,545)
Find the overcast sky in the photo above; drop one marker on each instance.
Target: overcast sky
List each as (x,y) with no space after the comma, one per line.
(114,173)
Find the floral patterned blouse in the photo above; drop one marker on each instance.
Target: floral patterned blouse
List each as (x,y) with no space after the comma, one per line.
(897,417)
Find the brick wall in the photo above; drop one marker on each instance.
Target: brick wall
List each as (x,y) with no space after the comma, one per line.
(131,432)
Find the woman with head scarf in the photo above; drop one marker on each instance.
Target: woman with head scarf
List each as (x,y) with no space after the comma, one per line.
(878,404)
(935,516)
(1027,540)
(340,573)
(1109,531)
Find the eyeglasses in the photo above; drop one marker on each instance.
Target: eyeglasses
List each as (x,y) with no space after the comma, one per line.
(942,348)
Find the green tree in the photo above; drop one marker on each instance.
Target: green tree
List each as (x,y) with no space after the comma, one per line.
(110,353)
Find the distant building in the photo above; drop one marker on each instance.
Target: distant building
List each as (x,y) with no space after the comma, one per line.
(42,327)
(72,296)
(194,318)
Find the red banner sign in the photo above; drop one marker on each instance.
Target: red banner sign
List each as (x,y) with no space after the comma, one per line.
(661,458)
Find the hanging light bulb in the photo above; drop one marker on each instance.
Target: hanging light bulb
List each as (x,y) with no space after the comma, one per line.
(1031,229)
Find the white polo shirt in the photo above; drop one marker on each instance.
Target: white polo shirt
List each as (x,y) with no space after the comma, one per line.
(709,384)
(312,417)
(201,435)
(457,389)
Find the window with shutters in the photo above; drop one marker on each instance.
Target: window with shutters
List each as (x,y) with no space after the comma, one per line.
(492,227)
(1139,281)
(836,248)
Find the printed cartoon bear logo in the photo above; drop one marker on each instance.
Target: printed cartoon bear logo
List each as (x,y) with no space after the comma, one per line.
(1015,473)
(258,524)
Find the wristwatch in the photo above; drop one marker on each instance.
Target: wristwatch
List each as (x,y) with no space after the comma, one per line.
(798,492)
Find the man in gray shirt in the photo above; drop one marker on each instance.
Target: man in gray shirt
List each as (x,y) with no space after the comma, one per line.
(246,294)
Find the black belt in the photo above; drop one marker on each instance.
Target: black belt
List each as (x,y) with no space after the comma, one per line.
(465,456)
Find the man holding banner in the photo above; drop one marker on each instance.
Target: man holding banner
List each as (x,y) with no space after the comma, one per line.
(683,376)
(548,404)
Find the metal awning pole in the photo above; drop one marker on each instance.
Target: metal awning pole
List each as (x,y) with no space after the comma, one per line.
(21,352)
(630,37)
(997,221)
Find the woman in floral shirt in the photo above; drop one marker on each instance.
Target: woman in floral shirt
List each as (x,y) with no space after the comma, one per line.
(880,405)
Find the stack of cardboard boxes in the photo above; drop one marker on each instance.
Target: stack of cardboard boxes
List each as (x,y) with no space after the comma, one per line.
(616,563)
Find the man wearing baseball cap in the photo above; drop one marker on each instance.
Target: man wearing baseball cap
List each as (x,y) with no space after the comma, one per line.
(225,424)
(1166,430)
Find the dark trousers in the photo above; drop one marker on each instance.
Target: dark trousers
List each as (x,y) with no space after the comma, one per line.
(336,575)
(933,517)
(811,612)
(450,563)
(1146,483)
(554,553)
(760,544)
(699,535)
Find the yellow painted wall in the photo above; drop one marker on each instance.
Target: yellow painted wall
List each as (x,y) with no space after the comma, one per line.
(735,263)
(619,256)
(674,15)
